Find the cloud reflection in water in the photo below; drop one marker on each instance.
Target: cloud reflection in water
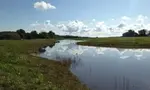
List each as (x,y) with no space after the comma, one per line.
(99,67)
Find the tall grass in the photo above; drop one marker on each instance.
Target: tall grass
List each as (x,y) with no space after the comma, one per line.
(120,42)
(19,70)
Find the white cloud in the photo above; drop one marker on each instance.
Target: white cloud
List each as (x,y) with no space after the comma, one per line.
(125,18)
(97,28)
(141,19)
(43,5)
(112,19)
(93,20)
(73,26)
(35,24)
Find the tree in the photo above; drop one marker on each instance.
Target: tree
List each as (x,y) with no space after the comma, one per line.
(34,34)
(22,33)
(43,35)
(130,33)
(51,34)
(142,32)
(28,36)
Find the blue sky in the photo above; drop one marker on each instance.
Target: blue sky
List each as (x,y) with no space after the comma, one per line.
(16,14)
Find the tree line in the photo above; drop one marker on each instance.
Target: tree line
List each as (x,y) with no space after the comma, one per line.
(140,33)
(21,34)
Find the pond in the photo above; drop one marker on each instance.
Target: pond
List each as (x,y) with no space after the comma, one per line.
(105,68)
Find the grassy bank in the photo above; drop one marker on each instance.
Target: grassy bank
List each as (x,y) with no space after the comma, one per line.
(119,42)
(19,70)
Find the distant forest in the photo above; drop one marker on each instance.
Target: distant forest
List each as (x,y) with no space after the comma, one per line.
(21,34)
(140,33)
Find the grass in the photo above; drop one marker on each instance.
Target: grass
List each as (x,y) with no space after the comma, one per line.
(119,42)
(19,70)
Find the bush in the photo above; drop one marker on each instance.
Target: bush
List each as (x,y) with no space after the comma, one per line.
(130,33)
(9,35)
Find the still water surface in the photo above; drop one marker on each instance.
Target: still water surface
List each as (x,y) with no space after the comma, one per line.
(105,68)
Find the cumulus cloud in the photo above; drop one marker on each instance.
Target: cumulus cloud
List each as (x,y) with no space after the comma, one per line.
(125,18)
(97,28)
(141,19)
(43,5)
(121,25)
(100,26)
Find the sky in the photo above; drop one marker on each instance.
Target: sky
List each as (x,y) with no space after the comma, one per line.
(100,18)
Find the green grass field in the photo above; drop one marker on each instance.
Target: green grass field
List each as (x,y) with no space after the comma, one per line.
(119,42)
(19,70)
